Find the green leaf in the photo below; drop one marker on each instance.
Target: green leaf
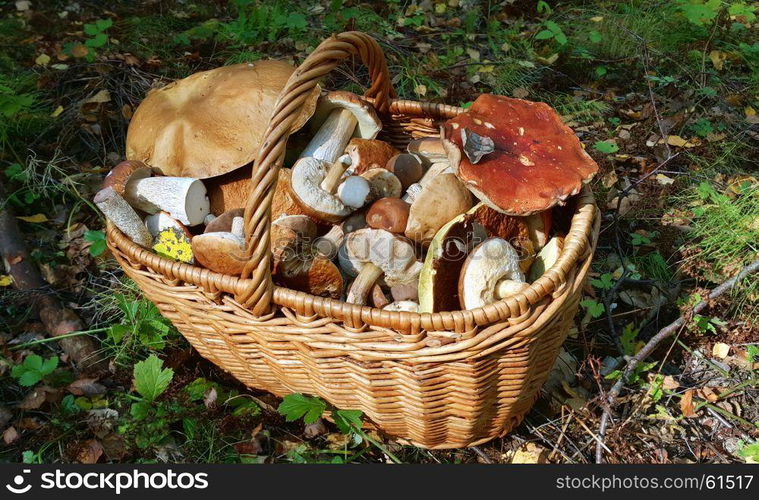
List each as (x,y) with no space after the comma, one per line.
(606,147)
(600,71)
(594,36)
(750,450)
(150,380)
(29,378)
(104,24)
(296,21)
(347,420)
(604,282)
(593,308)
(91,29)
(98,41)
(544,35)
(295,406)
(139,410)
(628,339)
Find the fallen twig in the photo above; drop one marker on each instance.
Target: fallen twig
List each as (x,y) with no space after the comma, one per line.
(663,334)
(59,321)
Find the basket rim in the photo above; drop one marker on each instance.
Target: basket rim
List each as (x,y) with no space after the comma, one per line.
(577,242)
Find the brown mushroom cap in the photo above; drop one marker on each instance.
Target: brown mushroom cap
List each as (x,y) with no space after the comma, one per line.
(538,161)
(368,153)
(319,277)
(220,252)
(223,223)
(440,199)
(211,122)
(124,172)
(390,214)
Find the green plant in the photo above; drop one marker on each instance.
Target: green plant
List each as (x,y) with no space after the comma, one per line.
(33,369)
(142,327)
(603,282)
(552,31)
(593,308)
(706,324)
(296,406)
(96,38)
(151,418)
(750,451)
(97,238)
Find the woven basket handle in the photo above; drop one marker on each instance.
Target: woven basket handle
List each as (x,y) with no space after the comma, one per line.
(258,293)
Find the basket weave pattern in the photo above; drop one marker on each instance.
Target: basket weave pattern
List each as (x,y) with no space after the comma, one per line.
(442,380)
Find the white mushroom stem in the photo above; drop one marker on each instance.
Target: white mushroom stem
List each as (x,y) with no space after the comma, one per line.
(328,244)
(363,284)
(184,198)
(335,173)
(123,216)
(330,140)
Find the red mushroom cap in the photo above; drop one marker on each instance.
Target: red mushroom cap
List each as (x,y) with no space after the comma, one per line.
(537,161)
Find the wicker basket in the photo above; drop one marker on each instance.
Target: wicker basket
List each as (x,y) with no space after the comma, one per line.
(442,380)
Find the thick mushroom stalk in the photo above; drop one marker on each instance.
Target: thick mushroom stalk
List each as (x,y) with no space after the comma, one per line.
(370,254)
(490,273)
(123,216)
(343,115)
(182,197)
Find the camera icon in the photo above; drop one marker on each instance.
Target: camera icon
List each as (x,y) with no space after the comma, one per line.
(17,485)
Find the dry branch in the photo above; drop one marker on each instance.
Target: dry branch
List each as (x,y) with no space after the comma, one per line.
(647,349)
(57,319)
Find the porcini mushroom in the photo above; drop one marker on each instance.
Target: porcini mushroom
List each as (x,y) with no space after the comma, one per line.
(211,122)
(390,214)
(306,189)
(516,156)
(340,115)
(296,264)
(163,220)
(222,252)
(438,201)
(546,258)
(407,168)
(429,150)
(439,277)
(126,171)
(366,154)
(369,254)
(490,273)
(382,184)
(182,197)
(123,216)
(223,223)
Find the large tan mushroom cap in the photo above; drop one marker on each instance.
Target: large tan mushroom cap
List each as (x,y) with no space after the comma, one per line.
(537,161)
(211,122)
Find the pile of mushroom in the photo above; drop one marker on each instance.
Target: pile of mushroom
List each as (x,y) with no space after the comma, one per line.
(454,222)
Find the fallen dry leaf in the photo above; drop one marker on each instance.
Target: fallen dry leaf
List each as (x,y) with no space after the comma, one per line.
(720,350)
(86,387)
(90,452)
(530,453)
(718,59)
(679,142)
(10,435)
(5,280)
(36,218)
(686,404)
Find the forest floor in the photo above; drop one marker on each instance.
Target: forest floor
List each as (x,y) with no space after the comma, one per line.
(663,94)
